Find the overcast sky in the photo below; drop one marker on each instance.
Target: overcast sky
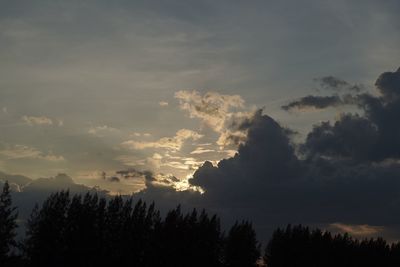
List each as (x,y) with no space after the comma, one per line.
(89,88)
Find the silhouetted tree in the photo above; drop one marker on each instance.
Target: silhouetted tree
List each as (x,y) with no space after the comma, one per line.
(242,248)
(299,246)
(8,225)
(91,231)
(45,243)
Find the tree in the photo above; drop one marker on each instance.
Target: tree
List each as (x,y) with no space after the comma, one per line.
(242,248)
(45,234)
(8,224)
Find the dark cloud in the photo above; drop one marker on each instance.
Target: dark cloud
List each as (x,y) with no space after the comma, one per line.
(351,136)
(268,183)
(318,102)
(388,84)
(351,95)
(334,83)
(346,173)
(373,136)
(20,180)
(27,192)
(114,179)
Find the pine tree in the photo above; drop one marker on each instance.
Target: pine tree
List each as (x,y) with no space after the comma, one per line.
(8,225)
(242,248)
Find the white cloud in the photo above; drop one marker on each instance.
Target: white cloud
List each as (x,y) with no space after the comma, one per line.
(222,113)
(176,165)
(163,103)
(32,120)
(229,137)
(201,150)
(213,108)
(174,143)
(136,134)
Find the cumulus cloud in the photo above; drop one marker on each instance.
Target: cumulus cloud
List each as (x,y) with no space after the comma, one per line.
(347,171)
(174,143)
(388,84)
(212,108)
(267,182)
(222,113)
(41,120)
(373,136)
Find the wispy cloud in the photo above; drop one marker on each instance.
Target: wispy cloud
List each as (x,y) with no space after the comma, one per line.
(358,229)
(22,151)
(102,131)
(174,143)
(201,150)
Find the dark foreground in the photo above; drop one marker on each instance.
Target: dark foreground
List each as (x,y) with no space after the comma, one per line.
(91,231)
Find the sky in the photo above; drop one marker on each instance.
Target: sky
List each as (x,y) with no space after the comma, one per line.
(134,96)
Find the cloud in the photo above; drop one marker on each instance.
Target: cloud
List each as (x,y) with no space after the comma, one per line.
(174,143)
(222,113)
(317,102)
(114,179)
(346,94)
(32,120)
(311,102)
(388,83)
(363,230)
(152,180)
(372,136)
(102,131)
(22,152)
(20,180)
(202,150)
(267,182)
(346,170)
(212,108)
(334,83)
(27,191)
(351,136)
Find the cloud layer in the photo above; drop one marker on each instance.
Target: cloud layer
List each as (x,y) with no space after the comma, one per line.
(345,174)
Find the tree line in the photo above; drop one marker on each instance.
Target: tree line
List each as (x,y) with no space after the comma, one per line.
(88,230)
